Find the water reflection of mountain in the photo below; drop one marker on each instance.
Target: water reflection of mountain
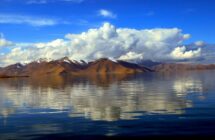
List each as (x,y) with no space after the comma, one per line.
(107,98)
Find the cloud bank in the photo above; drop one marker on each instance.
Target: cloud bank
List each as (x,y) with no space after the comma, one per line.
(159,44)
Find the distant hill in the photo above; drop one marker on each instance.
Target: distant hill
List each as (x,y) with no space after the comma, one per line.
(148,63)
(65,66)
(182,67)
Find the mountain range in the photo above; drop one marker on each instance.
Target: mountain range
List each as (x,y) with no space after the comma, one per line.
(65,66)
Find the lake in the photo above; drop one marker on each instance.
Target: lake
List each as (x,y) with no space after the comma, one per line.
(150,104)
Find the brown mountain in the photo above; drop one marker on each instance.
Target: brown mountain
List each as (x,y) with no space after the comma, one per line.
(182,67)
(11,71)
(66,66)
(106,66)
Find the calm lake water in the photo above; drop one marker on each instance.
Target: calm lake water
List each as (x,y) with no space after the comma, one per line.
(112,105)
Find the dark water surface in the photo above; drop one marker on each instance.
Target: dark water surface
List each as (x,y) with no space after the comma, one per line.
(113,105)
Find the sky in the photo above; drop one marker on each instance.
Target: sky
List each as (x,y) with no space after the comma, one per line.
(179,30)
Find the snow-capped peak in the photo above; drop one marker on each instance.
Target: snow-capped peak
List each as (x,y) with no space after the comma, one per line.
(44,60)
(18,66)
(67,61)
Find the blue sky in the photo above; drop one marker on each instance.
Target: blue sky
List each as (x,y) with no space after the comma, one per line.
(159,30)
(196,17)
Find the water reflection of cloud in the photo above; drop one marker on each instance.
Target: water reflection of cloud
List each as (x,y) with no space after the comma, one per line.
(185,86)
(114,99)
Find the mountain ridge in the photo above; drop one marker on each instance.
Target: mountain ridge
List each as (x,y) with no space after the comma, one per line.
(65,66)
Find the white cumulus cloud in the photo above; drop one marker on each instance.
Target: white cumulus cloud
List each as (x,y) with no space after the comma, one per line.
(199,43)
(131,56)
(181,53)
(106,13)
(4,42)
(157,44)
